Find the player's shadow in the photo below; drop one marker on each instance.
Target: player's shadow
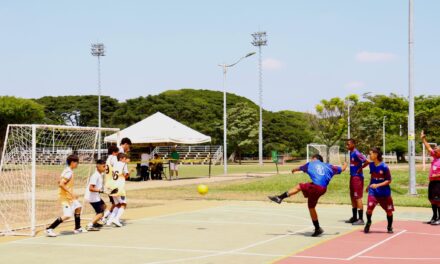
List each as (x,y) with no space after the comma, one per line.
(307,234)
(67,233)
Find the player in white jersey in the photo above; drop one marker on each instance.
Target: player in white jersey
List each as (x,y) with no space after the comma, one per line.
(95,186)
(108,182)
(125,145)
(120,174)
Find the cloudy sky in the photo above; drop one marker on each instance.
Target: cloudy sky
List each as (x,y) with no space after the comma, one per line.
(316,48)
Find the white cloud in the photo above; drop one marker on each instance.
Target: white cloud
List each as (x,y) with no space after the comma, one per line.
(272,64)
(355,85)
(367,56)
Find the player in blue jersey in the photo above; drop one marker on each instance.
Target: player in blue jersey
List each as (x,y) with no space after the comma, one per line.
(379,190)
(321,174)
(357,163)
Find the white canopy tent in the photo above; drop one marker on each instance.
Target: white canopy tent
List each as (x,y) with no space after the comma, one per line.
(159,129)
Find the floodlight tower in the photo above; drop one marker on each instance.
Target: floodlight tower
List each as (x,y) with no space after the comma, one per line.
(98,50)
(411,125)
(225,147)
(259,41)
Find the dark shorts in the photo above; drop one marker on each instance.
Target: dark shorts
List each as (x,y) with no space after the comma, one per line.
(312,192)
(356,187)
(385,202)
(434,192)
(98,207)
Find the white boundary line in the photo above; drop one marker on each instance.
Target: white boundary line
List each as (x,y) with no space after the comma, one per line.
(398,258)
(423,234)
(234,251)
(252,223)
(375,245)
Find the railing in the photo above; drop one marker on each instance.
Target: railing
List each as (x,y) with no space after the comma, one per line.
(193,153)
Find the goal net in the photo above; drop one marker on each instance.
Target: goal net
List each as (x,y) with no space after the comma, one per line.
(31,164)
(334,156)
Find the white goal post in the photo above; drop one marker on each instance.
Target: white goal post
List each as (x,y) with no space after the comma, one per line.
(32,160)
(334,155)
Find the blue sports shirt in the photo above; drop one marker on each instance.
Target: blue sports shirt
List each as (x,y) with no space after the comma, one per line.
(379,174)
(320,173)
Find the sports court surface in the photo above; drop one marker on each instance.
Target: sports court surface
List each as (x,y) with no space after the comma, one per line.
(199,231)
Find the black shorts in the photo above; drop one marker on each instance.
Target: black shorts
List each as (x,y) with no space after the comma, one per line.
(434,191)
(98,207)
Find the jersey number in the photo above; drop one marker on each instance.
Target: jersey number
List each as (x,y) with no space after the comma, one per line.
(107,169)
(115,175)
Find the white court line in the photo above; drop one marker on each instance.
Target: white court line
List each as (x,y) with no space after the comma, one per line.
(270,214)
(425,234)
(221,252)
(375,245)
(315,257)
(234,251)
(398,258)
(249,223)
(130,221)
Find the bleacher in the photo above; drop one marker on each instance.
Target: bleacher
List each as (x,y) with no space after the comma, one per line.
(200,154)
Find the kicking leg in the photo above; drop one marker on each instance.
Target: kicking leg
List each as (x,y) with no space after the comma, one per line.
(281,197)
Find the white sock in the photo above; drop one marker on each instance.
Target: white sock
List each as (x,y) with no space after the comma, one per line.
(120,212)
(114,213)
(106,213)
(90,224)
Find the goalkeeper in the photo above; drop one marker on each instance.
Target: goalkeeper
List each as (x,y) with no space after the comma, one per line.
(95,186)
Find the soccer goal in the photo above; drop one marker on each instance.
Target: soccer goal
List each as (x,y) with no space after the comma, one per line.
(333,153)
(32,160)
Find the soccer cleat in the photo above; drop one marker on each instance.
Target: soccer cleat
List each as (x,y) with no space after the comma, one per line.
(367,227)
(98,225)
(390,230)
(276,199)
(351,220)
(109,222)
(318,231)
(117,223)
(79,230)
(437,222)
(430,222)
(92,228)
(50,233)
(359,222)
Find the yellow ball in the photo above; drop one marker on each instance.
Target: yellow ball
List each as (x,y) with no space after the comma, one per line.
(202,189)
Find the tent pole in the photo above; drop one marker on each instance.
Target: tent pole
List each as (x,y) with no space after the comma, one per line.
(210,159)
(169,163)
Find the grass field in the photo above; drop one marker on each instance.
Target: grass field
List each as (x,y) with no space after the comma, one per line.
(257,189)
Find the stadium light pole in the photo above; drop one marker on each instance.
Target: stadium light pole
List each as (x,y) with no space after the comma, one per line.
(411,125)
(259,41)
(98,50)
(225,69)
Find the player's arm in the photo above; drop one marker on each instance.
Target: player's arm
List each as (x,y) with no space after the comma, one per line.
(425,142)
(344,166)
(302,168)
(93,188)
(377,185)
(63,185)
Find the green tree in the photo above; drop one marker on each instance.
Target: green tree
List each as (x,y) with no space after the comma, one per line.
(15,110)
(78,110)
(330,123)
(242,129)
